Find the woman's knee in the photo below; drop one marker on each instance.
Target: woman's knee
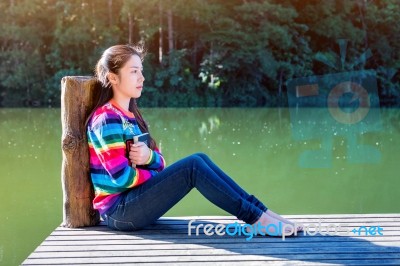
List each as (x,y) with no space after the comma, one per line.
(201,155)
(195,157)
(197,160)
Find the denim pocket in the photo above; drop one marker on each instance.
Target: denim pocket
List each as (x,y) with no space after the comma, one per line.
(120,225)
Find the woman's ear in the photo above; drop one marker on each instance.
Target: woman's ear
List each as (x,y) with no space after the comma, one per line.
(112,78)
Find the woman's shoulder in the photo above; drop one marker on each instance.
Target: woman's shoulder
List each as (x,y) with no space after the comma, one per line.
(104,115)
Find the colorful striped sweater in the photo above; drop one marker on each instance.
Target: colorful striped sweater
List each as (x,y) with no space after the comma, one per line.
(108,129)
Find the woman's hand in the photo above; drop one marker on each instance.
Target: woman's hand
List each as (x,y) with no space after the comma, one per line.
(139,153)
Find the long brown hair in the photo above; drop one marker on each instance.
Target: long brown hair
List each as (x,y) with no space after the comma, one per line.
(112,60)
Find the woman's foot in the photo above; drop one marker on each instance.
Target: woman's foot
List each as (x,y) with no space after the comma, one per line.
(283,220)
(274,224)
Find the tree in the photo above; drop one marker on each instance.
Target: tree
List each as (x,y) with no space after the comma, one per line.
(199,52)
(24,36)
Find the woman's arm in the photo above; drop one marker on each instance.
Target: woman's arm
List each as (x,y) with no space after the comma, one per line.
(109,166)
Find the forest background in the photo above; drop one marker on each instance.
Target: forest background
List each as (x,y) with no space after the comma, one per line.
(212,53)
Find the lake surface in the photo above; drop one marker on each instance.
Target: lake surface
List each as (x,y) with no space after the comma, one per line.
(297,161)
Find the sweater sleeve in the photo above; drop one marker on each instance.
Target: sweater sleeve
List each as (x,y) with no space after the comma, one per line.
(110,171)
(156,161)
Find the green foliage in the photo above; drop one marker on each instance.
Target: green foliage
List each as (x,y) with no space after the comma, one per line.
(225,53)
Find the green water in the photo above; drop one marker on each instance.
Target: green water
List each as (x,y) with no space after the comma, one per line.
(296,164)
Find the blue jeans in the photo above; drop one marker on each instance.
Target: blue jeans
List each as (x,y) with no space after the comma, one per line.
(144,204)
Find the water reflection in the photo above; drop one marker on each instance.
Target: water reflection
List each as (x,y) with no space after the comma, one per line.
(317,124)
(207,128)
(259,148)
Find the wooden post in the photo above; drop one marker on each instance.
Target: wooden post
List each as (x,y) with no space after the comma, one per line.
(78,96)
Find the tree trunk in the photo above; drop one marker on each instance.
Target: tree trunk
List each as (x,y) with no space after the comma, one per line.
(78,95)
(195,43)
(362,9)
(110,22)
(170,31)
(129,28)
(160,32)
(280,85)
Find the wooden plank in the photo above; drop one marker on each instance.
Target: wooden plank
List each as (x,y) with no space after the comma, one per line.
(168,242)
(257,263)
(193,234)
(152,251)
(233,257)
(386,230)
(339,217)
(185,225)
(85,244)
(205,240)
(177,246)
(325,219)
(307,216)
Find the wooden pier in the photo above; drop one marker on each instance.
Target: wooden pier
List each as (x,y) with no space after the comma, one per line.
(167,242)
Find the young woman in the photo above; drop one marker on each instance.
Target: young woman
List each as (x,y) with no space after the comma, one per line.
(129,198)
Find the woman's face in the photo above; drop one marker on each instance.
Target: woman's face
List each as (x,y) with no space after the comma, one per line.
(130,79)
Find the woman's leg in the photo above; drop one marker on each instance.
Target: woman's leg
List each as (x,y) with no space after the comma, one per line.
(269,216)
(232,183)
(144,204)
(243,193)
